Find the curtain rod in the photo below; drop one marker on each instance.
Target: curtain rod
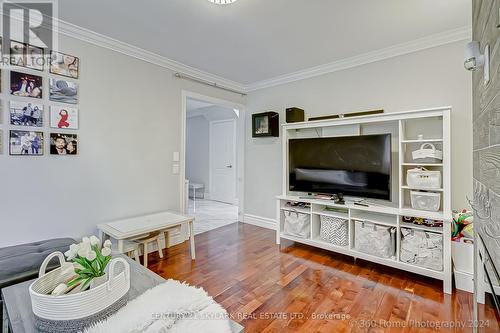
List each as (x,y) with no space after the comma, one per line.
(211,84)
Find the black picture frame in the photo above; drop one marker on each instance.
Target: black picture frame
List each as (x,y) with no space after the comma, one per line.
(25,57)
(54,69)
(265,124)
(17,88)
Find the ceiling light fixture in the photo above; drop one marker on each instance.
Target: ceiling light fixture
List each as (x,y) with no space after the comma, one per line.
(222,2)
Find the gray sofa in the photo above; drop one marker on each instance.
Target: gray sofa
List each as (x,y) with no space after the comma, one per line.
(21,262)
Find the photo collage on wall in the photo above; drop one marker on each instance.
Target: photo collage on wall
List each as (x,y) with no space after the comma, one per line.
(42,94)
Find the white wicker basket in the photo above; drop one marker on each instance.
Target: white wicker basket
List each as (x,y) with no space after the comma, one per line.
(82,307)
(427,152)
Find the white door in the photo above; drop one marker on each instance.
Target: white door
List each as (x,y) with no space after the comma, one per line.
(222,161)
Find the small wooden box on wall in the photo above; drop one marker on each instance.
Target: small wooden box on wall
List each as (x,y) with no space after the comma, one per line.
(265,124)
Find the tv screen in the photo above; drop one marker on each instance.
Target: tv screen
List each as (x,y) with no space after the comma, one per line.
(353,165)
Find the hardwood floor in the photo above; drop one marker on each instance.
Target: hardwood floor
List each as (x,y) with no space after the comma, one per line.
(304,289)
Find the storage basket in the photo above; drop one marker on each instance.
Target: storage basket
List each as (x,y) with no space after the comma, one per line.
(422,248)
(423,178)
(74,312)
(427,153)
(297,224)
(334,230)
(429,201)
(375,239)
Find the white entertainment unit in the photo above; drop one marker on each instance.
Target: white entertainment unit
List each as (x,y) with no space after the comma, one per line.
(406,129)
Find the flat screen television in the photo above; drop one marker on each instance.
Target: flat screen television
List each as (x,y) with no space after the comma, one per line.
(352,165)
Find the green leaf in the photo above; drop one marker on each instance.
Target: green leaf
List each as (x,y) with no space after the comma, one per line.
(86,283)
(83,262)
(74,281)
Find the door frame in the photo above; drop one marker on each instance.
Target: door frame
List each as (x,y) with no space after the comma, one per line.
(240,147)
(235,155)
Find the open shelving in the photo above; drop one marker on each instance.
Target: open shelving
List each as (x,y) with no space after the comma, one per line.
(407,129)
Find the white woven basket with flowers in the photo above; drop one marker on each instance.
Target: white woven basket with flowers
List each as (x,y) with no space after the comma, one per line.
(75,311)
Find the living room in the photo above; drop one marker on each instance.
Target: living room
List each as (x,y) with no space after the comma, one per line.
(345,179)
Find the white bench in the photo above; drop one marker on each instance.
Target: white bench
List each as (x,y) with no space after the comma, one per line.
(130,228)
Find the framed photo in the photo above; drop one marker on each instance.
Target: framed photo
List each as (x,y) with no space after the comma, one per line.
(63,144)
(26,143)
(64,64)
(17,53)
(26,114)
(35,57)
(25,85)
(265,124)
(26,55)
(63,117)
(63,91)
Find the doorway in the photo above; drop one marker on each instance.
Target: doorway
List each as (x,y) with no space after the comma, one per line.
(212,161)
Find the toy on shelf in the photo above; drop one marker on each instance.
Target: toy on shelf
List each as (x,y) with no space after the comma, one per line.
(462,224)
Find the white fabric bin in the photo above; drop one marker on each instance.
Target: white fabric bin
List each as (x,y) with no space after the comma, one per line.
(297,224)
(422,248)
(375,239)
(462,254)
(429,201)
(422,178)
(334,230)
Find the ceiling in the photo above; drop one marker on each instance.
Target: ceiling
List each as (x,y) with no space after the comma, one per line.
(255,40)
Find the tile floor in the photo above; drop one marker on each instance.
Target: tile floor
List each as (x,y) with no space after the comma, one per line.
(210,215)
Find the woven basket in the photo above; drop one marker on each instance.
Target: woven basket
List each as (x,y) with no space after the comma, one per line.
(334,230)
(74,312)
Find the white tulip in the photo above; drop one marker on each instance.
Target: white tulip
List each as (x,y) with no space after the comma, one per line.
(72,252)
(84,249)
(85,240)
(94,240)
(106,251)
(107,243)
(91,255)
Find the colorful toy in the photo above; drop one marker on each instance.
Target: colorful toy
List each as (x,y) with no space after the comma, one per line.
(462,219)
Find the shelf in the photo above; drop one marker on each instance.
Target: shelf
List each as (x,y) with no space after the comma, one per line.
(423,164)
(438,230)
(421,140)
(297,210)
(408,211)
(325,243)
(377,218)
(325,212)
(361,255)
(406,187)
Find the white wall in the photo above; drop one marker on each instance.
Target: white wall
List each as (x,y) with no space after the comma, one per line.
(429,78)
(130,125)
(197,151)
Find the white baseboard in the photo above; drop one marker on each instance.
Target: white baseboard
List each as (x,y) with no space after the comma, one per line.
(260,221)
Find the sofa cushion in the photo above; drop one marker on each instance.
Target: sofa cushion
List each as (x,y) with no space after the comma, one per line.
(21,262)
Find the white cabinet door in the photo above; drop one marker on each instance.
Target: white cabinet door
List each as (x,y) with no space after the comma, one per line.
(222,161)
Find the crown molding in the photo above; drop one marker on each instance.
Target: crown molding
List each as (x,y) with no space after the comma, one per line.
(92,37)
(450,36)
(89,36)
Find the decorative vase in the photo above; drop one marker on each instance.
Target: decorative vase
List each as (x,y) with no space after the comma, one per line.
(97,281)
